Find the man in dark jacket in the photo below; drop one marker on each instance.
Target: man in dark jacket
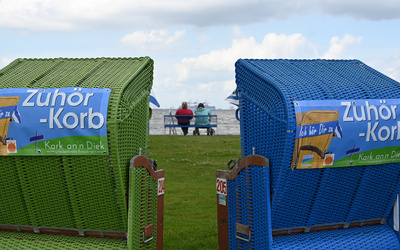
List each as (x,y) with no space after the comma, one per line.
(184,116)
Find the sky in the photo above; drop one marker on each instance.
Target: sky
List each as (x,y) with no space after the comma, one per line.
(195,44)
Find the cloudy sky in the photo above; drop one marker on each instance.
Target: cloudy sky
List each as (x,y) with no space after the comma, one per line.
(195,43)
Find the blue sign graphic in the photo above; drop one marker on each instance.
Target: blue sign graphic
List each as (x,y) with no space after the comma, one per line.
(355,132)
(57,121)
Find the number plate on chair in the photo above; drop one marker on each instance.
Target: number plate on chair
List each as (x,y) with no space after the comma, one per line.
(161,186)
(222,186)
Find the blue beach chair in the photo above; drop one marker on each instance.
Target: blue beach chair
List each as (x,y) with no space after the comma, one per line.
(271,204)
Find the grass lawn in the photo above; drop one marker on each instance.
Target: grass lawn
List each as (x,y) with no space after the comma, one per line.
(190,164)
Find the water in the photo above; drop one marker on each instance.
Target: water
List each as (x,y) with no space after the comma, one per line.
(227,123)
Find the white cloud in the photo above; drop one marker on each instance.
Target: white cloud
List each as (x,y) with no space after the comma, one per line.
(34,15)
(238,33)
(272,46)
(209,86)
(361,9)
(229,86)
(166,82)
(153,40)
(221,88)
(393,69)
(339,45)
(182,71)
(4,61)
(71,15)
(203,38)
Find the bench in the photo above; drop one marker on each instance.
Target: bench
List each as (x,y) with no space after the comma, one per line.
(86,191)
(171,122)
(295,190)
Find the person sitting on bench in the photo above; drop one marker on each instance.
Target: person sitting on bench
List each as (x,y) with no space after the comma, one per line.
(202,120)
(185,120)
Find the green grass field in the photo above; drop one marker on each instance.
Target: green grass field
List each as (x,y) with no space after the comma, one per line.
(190,164)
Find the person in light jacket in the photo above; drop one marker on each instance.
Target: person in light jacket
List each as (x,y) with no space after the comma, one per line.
(202,120)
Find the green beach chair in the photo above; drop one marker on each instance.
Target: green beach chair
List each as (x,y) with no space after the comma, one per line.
(109,200)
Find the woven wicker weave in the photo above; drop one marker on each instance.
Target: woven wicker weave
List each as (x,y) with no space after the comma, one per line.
(306,198)
(78,192)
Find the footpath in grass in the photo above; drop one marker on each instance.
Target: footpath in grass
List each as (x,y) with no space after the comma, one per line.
(190,164)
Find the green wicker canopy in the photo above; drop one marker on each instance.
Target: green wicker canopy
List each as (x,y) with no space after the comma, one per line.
(78,192)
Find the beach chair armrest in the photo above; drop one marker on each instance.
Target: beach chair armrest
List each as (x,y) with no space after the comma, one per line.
(144,230)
